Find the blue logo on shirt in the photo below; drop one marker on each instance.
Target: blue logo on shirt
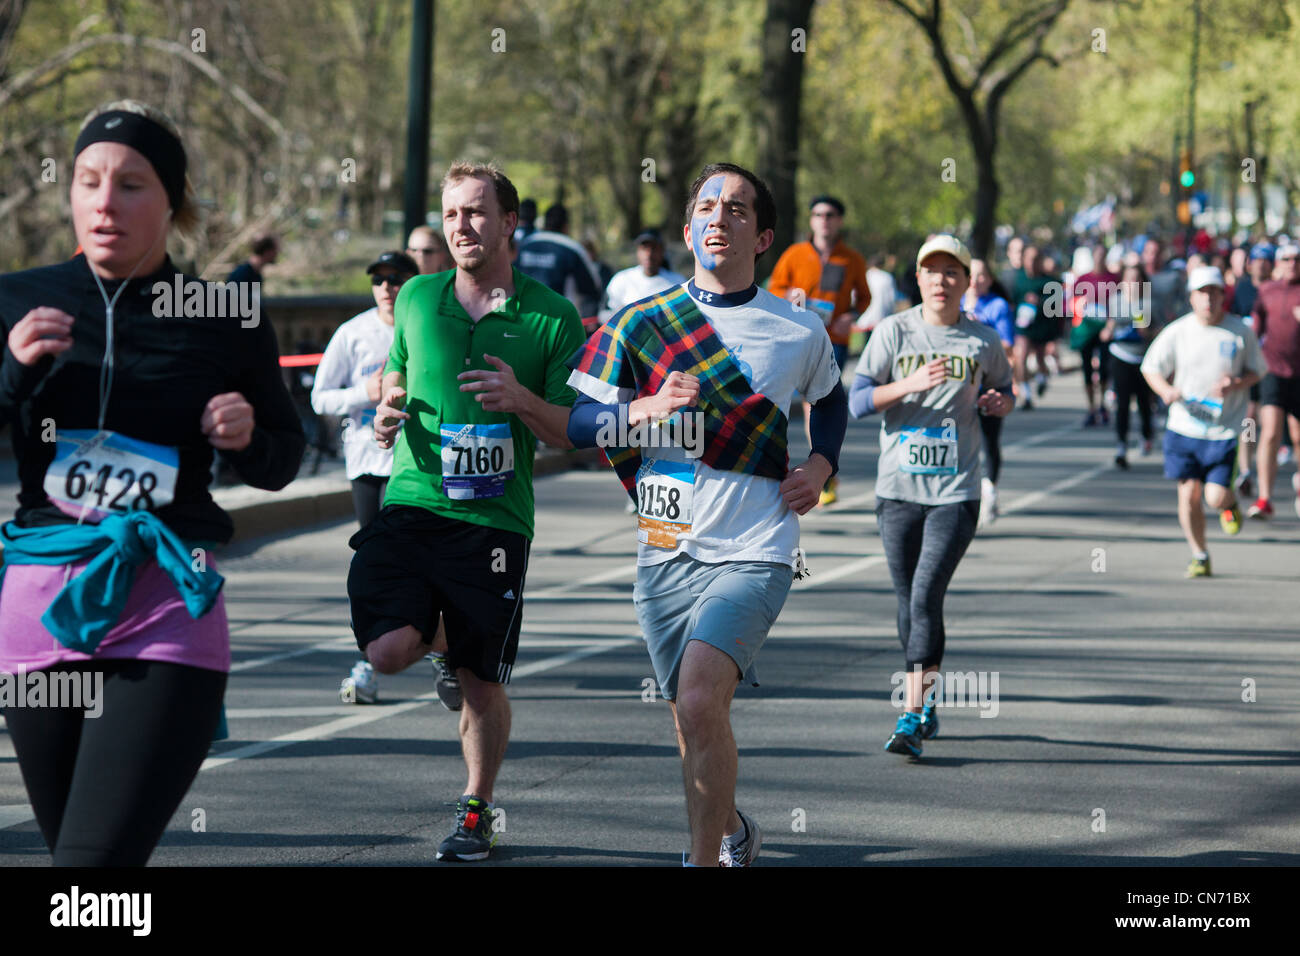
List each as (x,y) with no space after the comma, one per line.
(745,368)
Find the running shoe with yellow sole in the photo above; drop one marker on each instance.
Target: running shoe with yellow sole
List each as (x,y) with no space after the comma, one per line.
(1199,568)
(1230,520)
(829,494)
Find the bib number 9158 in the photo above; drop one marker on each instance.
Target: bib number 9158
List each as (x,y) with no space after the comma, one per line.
(665,494)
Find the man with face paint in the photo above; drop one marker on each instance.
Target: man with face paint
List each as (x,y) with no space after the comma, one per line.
(718,533)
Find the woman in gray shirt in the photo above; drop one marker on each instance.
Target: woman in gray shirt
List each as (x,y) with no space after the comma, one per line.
(932,371)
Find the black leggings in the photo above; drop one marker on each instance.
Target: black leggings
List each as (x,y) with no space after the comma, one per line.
(991,426)
(1130,384)
(368,496)
(923,545)
(104,788)
(1101,352)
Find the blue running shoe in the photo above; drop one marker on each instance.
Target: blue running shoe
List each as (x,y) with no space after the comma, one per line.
(906,738)
(929,723)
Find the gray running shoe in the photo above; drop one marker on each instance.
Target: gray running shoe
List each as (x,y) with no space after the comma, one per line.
(473,837)
(446,683)
(746,851)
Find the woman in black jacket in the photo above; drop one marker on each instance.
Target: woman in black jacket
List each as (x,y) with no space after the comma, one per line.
(121,377)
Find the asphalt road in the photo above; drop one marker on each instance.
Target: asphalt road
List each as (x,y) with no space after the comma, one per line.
(1120,736)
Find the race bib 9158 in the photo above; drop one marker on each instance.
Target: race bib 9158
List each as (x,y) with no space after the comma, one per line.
(95,474)
(1205,412)
(665,492)
(477,461)
(928,451)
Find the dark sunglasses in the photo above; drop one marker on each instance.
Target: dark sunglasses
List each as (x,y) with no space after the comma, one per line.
(394,280)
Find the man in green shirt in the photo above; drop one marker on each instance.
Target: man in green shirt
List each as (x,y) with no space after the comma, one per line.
(475,376)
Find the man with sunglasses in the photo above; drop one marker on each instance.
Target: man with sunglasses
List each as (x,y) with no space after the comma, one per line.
(347,384)
(429,250)
(476,375)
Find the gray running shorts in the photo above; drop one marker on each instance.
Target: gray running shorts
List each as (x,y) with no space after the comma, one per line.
(730,606)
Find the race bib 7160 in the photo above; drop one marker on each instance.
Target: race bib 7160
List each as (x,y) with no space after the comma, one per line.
(477,460)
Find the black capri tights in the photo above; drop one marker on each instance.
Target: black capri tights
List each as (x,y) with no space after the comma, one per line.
(923,545)
(104,788)
(991,426)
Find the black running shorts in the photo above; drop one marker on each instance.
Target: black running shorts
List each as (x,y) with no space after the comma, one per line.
(1282,392)
(412,565)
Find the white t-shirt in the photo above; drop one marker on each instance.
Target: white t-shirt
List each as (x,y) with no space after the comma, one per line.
(884,292)
(1198,355)
(358,348)
(738,516)
(633,285)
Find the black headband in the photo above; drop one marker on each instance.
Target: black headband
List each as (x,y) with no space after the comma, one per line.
(149,139)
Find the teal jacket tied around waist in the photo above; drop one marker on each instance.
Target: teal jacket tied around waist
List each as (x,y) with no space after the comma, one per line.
(90,605)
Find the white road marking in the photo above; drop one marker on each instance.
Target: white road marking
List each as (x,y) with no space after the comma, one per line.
(371,714)
(15,815)
(337,644)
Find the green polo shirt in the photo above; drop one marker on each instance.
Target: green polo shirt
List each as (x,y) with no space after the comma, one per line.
(535,332)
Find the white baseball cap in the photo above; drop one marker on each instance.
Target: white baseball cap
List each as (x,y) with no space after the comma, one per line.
(1204,276)
(944,243)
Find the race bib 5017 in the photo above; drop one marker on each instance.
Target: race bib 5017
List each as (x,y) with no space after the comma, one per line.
(928,451)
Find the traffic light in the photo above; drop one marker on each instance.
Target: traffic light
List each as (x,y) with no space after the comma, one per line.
(1186,183)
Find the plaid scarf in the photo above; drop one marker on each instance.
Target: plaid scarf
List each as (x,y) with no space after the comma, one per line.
(743,430)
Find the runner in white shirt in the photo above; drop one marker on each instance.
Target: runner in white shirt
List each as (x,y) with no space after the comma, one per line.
(1213,359)
(644,279)
(348,384)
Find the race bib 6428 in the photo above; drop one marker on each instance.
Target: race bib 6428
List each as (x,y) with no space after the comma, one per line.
(95,474)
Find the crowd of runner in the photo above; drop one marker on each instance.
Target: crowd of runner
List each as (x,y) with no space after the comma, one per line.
(489,336)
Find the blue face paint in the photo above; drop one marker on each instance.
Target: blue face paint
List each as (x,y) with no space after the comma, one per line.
(712,189)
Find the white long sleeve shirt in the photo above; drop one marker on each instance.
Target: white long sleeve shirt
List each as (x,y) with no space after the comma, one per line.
(358,348)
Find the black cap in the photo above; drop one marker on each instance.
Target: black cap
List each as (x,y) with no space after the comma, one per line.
(399,261)
(649,235)
(829,200)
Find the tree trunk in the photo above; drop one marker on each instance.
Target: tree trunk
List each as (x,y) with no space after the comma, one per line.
(987,192)
(780,92)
